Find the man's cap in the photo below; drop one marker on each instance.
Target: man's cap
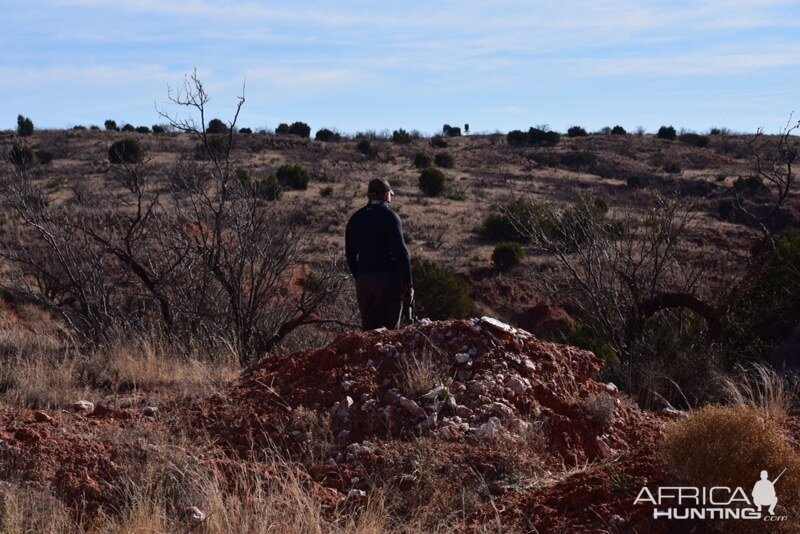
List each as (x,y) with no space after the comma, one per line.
(379,187)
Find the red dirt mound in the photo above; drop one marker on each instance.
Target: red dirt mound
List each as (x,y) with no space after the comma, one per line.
(484,379)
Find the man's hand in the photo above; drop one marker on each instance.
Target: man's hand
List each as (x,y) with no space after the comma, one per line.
(408,294)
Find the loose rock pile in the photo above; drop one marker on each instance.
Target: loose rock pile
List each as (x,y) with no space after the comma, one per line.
(485,381)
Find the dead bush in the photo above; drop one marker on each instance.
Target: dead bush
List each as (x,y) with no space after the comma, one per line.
(730,446)
(598,409)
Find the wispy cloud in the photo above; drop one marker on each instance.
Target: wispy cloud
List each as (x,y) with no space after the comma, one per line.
(371,65)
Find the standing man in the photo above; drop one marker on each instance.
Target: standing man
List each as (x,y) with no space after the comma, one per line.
(378,258)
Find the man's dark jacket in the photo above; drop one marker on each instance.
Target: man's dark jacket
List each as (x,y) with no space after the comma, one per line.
(374,243)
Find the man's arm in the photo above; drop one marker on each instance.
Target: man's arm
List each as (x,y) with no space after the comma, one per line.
(350,249)
(400,250)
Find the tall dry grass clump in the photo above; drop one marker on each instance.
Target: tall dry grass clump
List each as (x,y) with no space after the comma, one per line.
(730,446)
(419,374)
(46,372)
(137,361)
(760,386)
(26,510)
(38,372)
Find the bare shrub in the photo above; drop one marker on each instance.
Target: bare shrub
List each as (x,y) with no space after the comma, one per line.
(598,409)
(205,261)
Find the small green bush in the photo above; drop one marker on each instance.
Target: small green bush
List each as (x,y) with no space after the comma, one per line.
(700,141)
(79,127)
(217,149)
(451,131)
(533,137)
(438,142)
(503,226)
(111,126)
(431,181)
(268,189)
(45,157)
(727,209)
(300,129)
(444,160)
(326,191)
(129,128)
(401,137)
(24,126)
(282,129)
(637,181)
(577,159)
(440,292)
(422,160)
(245,131)
(22,156)
(539,137)
(507,255)
(159,129)
(327,136)
(517,138)
(753,183)
(545,159)
(216,126)
(125,151)
(293,176)
(576,131)
(618,130)
(142,129)
(667,132)
(672,168)
(366,148)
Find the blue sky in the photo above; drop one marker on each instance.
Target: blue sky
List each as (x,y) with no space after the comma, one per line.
(358,65)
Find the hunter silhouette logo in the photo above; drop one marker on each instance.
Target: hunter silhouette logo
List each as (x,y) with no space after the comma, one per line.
(718,502)
(764,492)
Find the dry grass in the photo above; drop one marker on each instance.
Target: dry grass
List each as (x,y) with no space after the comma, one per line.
(135,362)
(729,446)
(760,386)
(44,372)
(419,374)
(37,372)
(26,510)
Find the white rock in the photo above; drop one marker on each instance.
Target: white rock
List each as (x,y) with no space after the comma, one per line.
(346,385)
(194,516)
(357,493)
(518,385)
(428,423)
(503,410)
(150,411)
(491,428)
(83,406)
(462,357)
(435,393)
(368,405)
(611,388)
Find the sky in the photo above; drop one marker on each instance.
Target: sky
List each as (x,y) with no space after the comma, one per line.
(365,65)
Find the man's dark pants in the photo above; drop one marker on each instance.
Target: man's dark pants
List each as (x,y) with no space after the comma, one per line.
(379,299)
